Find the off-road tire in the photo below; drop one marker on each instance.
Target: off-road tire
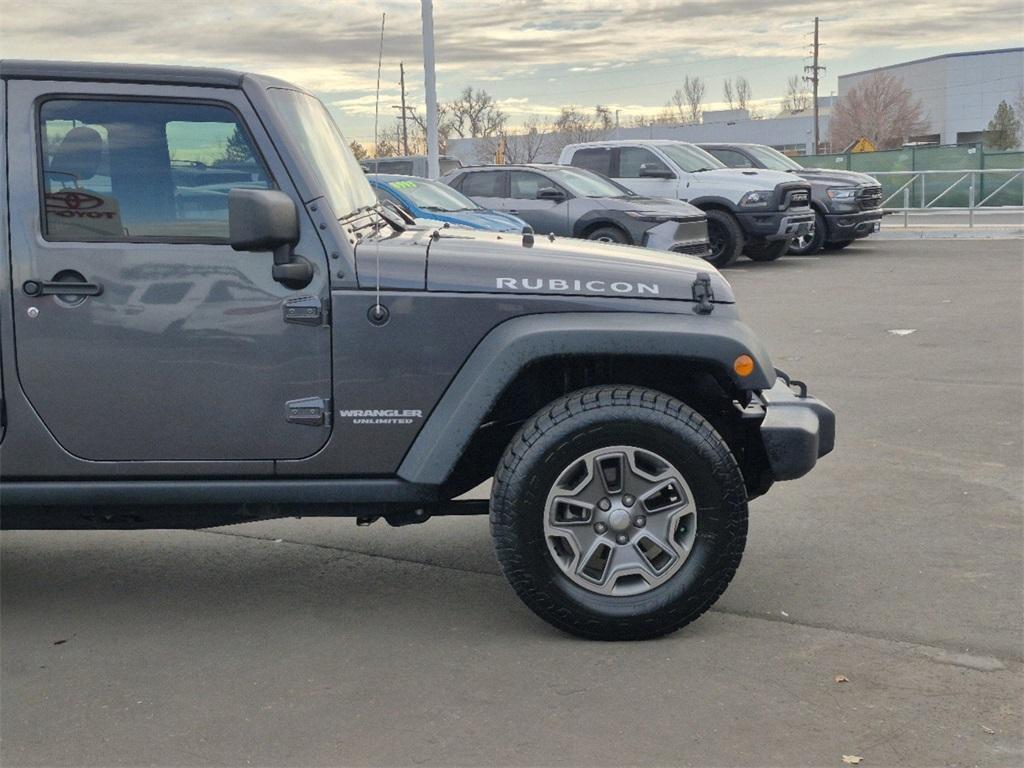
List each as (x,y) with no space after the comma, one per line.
(609,416)
(814,243)
(725,236)
(609,235)
(838,245)
(766,251)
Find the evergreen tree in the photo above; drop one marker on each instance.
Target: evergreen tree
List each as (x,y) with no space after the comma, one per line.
(1003,129)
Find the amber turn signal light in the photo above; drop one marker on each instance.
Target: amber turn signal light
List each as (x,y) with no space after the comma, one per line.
(743,365)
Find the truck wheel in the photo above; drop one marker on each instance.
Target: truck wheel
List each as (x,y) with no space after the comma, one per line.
(609,235)
(618,513)
(805,245)
(767,251)
(725,238)
(837,245)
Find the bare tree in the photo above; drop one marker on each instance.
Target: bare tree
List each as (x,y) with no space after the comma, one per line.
(798,98)
(728,93)
(881,109)
(604,117)
(525,146)
(475,114)
(358,150)
(743,92)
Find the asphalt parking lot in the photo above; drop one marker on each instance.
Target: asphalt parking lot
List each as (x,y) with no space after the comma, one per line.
(897,564)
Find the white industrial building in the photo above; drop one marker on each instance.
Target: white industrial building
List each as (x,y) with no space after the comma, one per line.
(959,91)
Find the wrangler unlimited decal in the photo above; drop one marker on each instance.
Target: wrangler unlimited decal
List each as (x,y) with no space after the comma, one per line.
(591,286)
(382,416)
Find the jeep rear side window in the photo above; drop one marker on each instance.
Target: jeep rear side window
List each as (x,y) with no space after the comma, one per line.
(483,184)
(131,170)
(597,160)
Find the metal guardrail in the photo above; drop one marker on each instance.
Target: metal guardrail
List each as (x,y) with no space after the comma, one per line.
(971,177)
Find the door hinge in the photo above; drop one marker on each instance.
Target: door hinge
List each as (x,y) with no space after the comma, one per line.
(309,411)
(702,294)
(305,310)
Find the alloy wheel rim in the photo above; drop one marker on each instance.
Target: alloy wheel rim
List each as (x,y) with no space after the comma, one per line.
(620,521)
(803,241)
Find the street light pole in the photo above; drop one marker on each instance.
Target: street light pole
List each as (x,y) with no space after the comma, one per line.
(430,85)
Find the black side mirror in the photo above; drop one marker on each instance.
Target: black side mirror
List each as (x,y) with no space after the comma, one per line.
(550,193)
(267,220)
(652,171)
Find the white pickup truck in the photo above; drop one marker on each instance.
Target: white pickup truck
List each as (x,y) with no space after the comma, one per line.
(750,211)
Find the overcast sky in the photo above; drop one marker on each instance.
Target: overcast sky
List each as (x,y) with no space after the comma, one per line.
(532,55)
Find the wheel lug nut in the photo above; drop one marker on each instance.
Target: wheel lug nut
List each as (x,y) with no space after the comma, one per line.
(640,521)
(622,538)
(604,504)
(628,500)
(600,527)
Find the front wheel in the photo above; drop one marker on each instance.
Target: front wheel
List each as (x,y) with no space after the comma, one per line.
(766,251)
(618,513)
(609,235)
(811,241)
(725,238)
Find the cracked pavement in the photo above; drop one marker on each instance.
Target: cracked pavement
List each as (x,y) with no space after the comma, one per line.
(898,563)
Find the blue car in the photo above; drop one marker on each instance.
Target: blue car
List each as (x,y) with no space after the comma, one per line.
(432,200)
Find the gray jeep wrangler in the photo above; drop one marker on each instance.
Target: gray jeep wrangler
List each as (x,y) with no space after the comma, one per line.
(207,318)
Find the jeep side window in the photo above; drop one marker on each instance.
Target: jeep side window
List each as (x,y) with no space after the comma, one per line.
(483,184)
(129,170)
(598,160)
(732,158)
(631,158)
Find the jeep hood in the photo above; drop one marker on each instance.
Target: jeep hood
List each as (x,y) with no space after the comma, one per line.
(469,261)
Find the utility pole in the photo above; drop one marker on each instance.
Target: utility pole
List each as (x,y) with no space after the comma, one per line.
(430,86)
(815,76)
(404,130)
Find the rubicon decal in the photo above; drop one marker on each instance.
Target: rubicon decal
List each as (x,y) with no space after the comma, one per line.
(381,416)
(556,285)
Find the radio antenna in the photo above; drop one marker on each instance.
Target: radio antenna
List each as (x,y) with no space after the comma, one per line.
(378,312)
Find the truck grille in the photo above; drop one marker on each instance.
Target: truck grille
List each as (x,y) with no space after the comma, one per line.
(796,197)
(869,197)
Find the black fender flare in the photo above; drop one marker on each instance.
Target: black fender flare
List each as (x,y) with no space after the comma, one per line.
(511,346)
(719,202)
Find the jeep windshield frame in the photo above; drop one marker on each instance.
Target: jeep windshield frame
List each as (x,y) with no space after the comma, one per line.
(323,147)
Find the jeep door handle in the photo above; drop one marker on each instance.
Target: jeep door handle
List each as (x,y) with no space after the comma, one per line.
(60,288)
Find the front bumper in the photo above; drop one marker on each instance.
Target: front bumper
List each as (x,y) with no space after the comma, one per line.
(680,236)
(776,225)
(854,225)
(797,429)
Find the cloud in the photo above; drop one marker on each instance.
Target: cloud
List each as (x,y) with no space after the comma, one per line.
(553,50)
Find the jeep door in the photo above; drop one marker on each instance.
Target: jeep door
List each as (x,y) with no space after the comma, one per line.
(141,334)
(546,216)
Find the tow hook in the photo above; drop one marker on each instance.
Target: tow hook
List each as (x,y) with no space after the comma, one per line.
(790,382)
(702,294)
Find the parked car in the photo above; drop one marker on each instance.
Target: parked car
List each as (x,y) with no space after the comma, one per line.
(314,355)
(432,201)
(575,203)
(846,204)
(409,165)
(755,213)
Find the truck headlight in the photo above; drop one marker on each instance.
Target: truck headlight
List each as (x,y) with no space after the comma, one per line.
(759,198)
(842,193)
